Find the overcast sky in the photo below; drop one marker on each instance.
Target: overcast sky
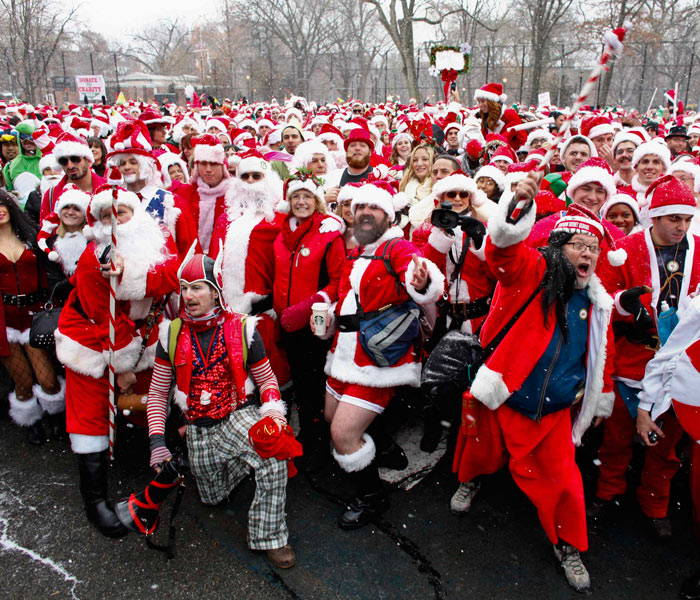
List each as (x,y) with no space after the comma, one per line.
(116,21)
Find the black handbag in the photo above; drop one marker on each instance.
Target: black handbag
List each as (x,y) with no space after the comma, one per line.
(44,325)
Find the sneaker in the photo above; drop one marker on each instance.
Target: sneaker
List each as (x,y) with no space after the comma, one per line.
(574,570)
(662,529)
(461,501)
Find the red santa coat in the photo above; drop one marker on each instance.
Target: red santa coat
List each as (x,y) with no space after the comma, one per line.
(376,287)
(307,262)
(48,201)
(475,281)
(509,119)
(641,268)
(520,270)
(189,194)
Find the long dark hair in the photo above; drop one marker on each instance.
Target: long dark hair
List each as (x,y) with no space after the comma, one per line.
(94,141)
(22,227)
(559,279)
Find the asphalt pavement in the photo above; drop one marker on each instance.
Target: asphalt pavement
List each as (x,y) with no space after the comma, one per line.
(417,550)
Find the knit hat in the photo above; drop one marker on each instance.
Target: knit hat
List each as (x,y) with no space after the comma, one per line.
(659,149)
(491,91)
(594,170)
(494,173)
(669,196)
(578,219)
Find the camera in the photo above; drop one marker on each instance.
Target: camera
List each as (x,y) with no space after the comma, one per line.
(445,218)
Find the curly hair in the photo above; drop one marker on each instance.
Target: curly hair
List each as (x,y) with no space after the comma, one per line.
(489,121)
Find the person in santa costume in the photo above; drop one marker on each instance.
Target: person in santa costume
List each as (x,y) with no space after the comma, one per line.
(214,356)
(132,155)
(519,411)
(651,290)
(649,161)
(204,196)
(670,387)
(495,117)
(245,234)
(146,264)
(75,158)
(23,287)
(308,266)
(360,384)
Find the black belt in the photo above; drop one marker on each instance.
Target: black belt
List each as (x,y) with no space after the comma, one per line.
(261,305)
(23,300)
(470,310)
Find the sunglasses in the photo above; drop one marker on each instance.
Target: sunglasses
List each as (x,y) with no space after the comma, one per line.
(462,194)
(25,136)
(63,161)
(254,176)
(357,110)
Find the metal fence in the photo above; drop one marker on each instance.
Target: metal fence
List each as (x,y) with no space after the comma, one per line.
(639,80)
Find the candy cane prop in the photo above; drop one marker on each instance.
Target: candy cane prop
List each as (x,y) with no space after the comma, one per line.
(114,179)
(613,47)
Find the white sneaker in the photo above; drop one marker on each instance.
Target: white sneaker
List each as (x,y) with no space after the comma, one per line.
(461,501)
(574,570)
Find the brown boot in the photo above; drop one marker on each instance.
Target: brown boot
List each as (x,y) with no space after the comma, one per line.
(282,558)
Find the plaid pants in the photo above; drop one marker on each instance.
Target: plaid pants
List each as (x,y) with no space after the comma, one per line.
(221,456)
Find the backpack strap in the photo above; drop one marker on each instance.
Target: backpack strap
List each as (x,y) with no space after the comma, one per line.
(245,343)
(173,333)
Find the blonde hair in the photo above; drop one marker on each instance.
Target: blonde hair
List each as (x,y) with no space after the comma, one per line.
(409,173)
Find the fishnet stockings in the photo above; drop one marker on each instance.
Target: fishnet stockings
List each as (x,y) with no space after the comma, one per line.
(23,363)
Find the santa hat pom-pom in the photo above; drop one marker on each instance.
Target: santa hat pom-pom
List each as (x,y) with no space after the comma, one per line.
(617,258)
(53,256)
(614,40)
(282,207)
(88,233)
(400,201)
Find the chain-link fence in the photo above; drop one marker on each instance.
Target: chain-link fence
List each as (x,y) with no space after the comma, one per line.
(640,77)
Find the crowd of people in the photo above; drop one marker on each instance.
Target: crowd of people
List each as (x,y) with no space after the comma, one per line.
(322,258)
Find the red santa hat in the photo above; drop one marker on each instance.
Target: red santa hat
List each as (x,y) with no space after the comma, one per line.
(594,170)
(659,149)
(151,117)
(68,144)
(597,125)
(669,196)
(685,164)
(459,182)
(208,148)
(505,153)
(252,162)
(103,199)
(329,133)
(131,137)
(494,173)
(578,219)
(376,194)
(491,91)
(71,196)
(347,192)
(303,180)
(636,135)
(453,125)
(620,198)
(359,134)
(578,139)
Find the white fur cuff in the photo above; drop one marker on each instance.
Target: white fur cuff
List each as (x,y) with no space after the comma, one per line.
(439,240)
(605,404)
(489,388)
(88,444)
(436,285)
(273,406)
(504,234)
(51,403)
(24,412)
(618,307)
(358,460)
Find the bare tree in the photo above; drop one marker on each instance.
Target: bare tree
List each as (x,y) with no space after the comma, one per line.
(165,48)
(33,31)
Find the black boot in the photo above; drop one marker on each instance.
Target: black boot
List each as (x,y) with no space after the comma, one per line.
(690,590)
(432,429)
(36,435)
(57,426)
(370,502)
(93,487)
(389,454)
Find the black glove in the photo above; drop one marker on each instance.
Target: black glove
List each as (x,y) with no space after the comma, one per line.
(630,301)
(475,229)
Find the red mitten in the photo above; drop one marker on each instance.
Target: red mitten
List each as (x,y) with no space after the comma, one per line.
(297,317)
(474,150)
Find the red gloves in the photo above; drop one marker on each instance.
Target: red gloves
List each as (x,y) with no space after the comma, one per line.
(474,150)
(270,440)
(297,317)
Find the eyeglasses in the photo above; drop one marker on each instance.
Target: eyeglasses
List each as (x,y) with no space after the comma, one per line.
(462,194)
(63,161)
(580,247)
(254,176)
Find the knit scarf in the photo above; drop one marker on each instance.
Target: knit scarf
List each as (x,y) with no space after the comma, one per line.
(291,237)
(207,209)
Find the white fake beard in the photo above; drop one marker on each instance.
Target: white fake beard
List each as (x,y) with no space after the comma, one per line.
(256,197)
(48,182)
(140,239)
(339,158)
(133,178)
(69,248)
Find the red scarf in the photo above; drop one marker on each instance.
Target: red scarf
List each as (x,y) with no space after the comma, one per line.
(291,238)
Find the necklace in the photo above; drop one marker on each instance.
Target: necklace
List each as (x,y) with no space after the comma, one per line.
(671,270)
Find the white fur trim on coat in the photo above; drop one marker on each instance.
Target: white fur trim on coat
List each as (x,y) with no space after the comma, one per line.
(439,240)
(504,234)
(358,460)
(125,358)
(279,406)
(132,284)
(489,388)
(180,398)
(234,262)
(24,412)
(52,403)
(88,444)
(435,287)
(79,358)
